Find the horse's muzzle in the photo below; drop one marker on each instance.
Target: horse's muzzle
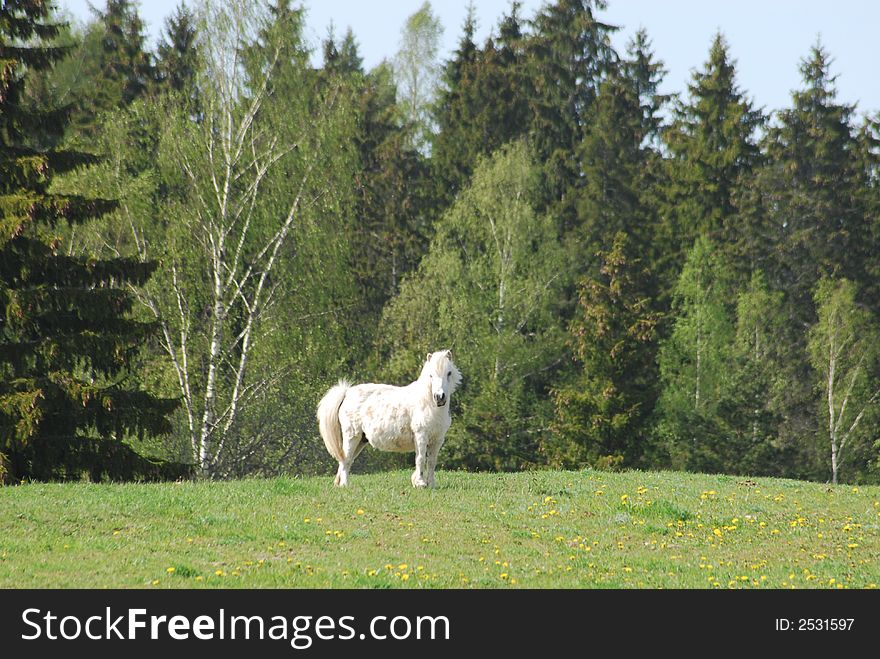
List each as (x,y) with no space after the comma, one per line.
(440,400)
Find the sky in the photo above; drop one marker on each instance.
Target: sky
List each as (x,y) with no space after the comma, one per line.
(767,38)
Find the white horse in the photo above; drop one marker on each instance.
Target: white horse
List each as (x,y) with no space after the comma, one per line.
(411,418)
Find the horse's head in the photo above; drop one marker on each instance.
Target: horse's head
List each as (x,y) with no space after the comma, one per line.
(443,375)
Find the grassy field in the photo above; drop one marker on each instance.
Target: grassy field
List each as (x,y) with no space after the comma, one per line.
(525,530)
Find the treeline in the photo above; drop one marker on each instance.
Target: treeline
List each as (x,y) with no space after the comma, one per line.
(198,241)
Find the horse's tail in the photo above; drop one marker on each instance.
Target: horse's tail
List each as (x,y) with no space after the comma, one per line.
(328,419)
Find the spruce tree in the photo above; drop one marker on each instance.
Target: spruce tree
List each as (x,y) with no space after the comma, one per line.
(869,165)
(127,66)
(67,341)
(481,105)
(712,140)
(816,182)
(392,188)
(646,74)
(452,153)
(618,172)
(568,55)
(177,53)
(602,411)
(342,58)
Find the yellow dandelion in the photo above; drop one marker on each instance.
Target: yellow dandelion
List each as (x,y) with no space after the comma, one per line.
(404,577)
(402,566)
(200,578)
(170,570)
(503,575)
(155,582)
(360,511)
(219,573)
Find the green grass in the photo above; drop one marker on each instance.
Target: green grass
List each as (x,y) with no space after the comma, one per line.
(536,529)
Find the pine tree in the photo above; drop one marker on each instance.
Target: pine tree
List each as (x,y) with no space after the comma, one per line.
(67,342)
(713,144)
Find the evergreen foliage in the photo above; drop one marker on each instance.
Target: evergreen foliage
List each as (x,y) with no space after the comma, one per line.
(69,394)
(628,279)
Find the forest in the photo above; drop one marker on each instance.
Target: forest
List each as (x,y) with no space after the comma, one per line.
(198,240)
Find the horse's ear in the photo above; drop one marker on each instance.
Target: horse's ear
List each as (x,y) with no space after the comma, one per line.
(449,353)
(428,358)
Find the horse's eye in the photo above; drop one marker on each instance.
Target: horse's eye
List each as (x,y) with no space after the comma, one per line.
(449,375)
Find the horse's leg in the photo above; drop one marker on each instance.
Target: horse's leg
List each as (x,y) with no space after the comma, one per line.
(418,476)
(351,447)
(433,451)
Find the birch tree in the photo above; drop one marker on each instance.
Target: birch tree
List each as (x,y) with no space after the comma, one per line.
(489,287)
(695,360)
(247,183)
(843,352)
(417,71)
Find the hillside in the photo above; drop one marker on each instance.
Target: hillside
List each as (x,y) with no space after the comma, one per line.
(525,530)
